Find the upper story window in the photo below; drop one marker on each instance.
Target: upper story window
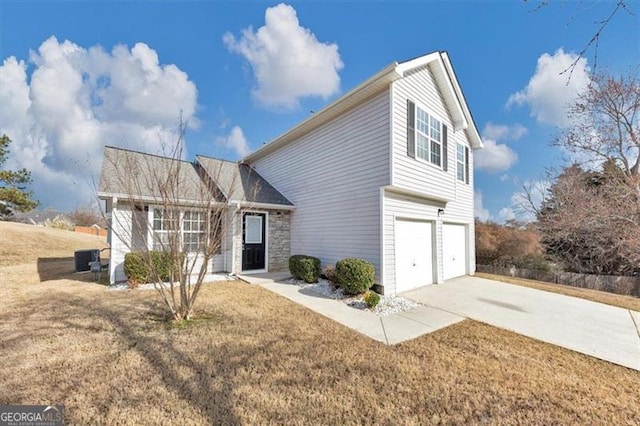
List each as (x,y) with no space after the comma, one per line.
(462,163)
(427,136)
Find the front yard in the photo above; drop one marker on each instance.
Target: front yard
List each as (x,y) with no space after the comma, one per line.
(252,357)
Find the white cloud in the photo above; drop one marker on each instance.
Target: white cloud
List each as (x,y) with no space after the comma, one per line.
(498,157)
(503,131)
(549,93)
(505,214)
(235,141)
(76,100)
(479,211)
(287,59)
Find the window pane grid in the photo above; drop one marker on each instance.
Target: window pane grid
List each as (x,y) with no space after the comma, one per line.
(460,169)
(428,137)
(435,153)
(193,227)
(422,147)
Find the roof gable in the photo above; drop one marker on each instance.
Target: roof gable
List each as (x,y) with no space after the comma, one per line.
(239,182)
(443,72)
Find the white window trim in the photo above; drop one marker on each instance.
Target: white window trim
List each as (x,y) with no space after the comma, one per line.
(416,132)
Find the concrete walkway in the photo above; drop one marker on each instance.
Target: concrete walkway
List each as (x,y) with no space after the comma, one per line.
(389,329)
(595,329)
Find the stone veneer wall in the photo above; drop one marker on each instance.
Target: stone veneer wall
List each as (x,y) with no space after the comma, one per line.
(279,240)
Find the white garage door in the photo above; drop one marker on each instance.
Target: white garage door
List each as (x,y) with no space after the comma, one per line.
(414,254)
(454,250)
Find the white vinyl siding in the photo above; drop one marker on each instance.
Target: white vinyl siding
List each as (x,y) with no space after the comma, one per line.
(333,177)
(121,237)
(124,231)
(411,173)
(431,182)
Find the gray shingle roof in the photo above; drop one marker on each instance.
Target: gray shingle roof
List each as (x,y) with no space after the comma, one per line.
(240,182)
(135,174)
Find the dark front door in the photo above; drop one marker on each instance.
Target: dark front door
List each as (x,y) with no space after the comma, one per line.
(253,244)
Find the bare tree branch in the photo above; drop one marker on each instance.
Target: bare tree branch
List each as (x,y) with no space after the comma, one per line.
(595,38)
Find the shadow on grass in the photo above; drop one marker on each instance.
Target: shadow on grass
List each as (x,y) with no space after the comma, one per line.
(63,268)
(198,373)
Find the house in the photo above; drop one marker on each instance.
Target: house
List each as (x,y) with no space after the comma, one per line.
(384,173)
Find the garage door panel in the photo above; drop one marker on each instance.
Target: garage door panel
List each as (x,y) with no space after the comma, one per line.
(413,254)
(454,250)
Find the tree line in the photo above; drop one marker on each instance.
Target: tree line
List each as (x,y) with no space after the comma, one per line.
(589,219)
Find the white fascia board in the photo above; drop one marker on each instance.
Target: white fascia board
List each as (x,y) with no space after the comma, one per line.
(418,62)
(417,194)
(474,135)
(155,200)
(436,63)
(267,206)
(450,95)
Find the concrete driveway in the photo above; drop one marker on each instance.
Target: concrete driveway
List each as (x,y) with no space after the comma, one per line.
(595,329)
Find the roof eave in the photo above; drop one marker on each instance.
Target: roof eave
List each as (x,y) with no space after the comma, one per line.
(470,127)
(442,68)
(334,109)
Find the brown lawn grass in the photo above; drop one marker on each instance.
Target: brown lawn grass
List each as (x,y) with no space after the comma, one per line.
(21,243)
(626,302)
(253,357)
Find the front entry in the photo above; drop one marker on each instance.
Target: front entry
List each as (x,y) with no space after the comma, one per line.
(253,241)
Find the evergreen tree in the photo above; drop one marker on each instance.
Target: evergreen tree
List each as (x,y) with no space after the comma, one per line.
(13,193)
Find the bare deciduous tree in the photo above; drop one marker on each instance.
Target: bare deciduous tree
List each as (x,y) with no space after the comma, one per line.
(605,123)
(172,208)
(513,244)
(528,201)
(593,42)
(591,221)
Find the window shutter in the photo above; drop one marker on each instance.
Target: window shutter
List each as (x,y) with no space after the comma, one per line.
(466,164)
(445,150)
(411,129)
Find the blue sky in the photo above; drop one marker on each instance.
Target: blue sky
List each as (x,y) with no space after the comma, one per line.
(79,75)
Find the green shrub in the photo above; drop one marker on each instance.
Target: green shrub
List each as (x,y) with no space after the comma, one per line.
(137,270)
(135,267)
(306,268)
(371,298)
(355,275)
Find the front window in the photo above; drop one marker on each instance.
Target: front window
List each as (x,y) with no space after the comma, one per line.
(165,224)
(428,137)
(192,228)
